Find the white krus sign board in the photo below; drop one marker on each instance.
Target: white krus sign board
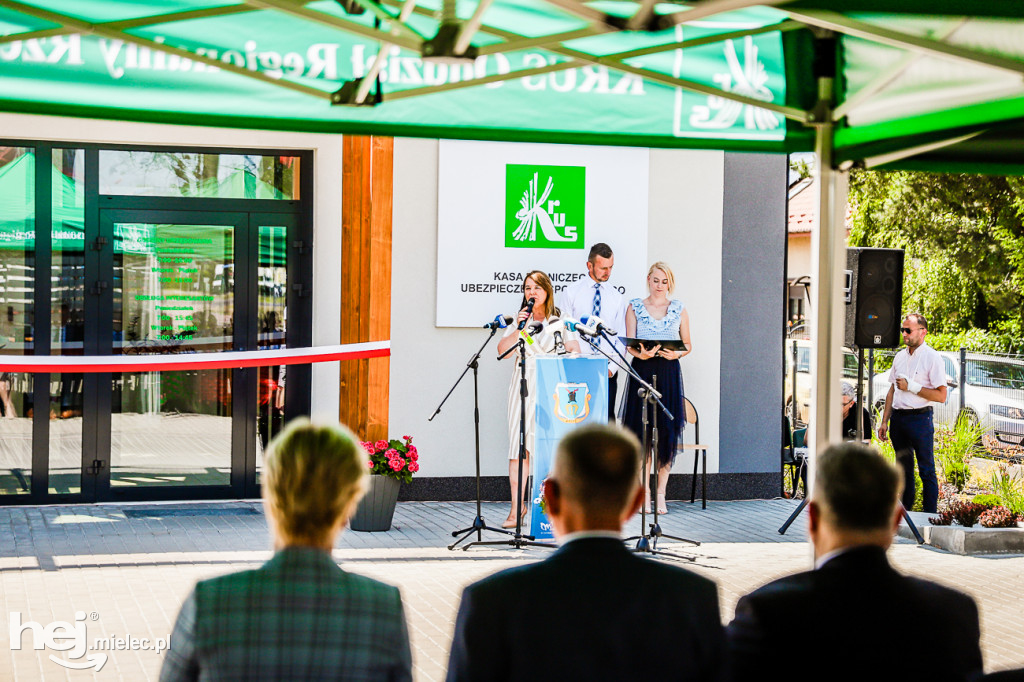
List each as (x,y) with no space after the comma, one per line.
(505,209)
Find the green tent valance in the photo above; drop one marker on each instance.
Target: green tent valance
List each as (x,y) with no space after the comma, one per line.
(918,81)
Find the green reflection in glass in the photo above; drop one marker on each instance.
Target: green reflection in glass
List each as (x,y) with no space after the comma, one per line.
(17,314)
(174,287)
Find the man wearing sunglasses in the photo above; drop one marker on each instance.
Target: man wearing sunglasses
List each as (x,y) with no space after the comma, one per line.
(918,379)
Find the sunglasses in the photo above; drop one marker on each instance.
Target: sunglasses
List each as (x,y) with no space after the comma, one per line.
(908,330)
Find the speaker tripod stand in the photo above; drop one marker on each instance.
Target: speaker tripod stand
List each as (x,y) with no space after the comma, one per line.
(803,503)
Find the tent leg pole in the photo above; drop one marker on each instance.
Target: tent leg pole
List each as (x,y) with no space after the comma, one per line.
(828,252)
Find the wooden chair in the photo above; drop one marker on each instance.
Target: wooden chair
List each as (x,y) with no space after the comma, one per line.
(697,447)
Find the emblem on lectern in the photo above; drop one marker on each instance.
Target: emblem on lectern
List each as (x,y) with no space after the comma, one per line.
(572,402)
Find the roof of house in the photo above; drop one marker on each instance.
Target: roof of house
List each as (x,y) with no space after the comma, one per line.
(803,208)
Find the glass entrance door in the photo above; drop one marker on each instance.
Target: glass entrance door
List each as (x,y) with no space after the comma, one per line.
(173,292)
(177,285)
(150,253)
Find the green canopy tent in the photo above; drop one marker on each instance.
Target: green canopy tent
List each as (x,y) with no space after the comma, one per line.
(880,84)
(17,208)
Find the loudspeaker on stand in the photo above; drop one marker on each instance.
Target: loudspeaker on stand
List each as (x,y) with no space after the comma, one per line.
(874,297)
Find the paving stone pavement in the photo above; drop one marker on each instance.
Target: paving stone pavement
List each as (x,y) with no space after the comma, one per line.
(126,568)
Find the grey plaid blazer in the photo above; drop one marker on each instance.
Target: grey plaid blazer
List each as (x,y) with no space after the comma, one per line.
(298,617)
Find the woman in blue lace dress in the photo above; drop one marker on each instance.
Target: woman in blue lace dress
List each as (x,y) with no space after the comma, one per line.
(658,317)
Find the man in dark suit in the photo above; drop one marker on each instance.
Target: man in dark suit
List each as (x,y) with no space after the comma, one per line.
(299,616)
(592,610)
(854,617)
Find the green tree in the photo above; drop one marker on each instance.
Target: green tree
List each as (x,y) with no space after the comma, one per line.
(802,167)
(963,238)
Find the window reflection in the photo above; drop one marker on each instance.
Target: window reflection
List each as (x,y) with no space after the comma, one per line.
(273,331)
(185,174)
(172,294)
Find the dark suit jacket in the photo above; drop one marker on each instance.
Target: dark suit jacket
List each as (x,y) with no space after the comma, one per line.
(591,611)
(298,617)
(855,618)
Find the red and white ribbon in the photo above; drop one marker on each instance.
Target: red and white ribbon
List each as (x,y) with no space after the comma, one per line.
(172,362)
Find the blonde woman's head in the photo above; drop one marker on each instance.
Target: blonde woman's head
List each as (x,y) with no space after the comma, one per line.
(313,477)
(660,274)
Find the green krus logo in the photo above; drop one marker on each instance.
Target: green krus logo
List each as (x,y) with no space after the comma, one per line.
(557,209)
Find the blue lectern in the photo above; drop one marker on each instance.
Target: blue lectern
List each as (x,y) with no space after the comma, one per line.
(571,391)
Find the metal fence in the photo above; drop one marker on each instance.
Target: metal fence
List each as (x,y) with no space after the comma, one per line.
(988,388)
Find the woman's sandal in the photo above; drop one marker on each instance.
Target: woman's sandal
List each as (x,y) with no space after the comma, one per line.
(510,522)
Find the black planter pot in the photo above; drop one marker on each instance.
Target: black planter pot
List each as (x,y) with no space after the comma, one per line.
(377,508)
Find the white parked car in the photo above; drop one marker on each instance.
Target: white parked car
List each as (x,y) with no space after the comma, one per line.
(803,377)
(993,395)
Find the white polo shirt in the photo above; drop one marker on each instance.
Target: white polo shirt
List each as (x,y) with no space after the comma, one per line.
(578,302)
(925,367)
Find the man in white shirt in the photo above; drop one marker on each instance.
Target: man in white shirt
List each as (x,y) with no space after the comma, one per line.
(593,296)
(918,379)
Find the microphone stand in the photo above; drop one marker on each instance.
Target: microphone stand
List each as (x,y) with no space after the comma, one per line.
(478,523)
(646,542)
(518,540)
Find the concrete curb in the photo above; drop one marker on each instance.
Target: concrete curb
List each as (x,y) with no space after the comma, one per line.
(960,540)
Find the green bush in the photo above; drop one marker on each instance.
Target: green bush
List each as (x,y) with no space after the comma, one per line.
(976,341)
(957,475)
(889,453)
(1009,489)
(954,449)
(988,499)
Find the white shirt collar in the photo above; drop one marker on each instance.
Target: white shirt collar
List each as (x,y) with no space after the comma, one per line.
(825,558)
(924,344)
(587,534)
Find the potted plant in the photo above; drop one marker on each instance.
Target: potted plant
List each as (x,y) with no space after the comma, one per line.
(391,462)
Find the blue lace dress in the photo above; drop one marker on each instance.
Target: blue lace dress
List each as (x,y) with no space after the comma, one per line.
(669,381)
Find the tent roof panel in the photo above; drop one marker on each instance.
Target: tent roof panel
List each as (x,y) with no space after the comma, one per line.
(909,74)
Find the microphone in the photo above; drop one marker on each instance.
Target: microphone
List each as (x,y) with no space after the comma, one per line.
(559,345)
(500,322)
(598,324)
(535,328)
(529,311)
(578,327)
